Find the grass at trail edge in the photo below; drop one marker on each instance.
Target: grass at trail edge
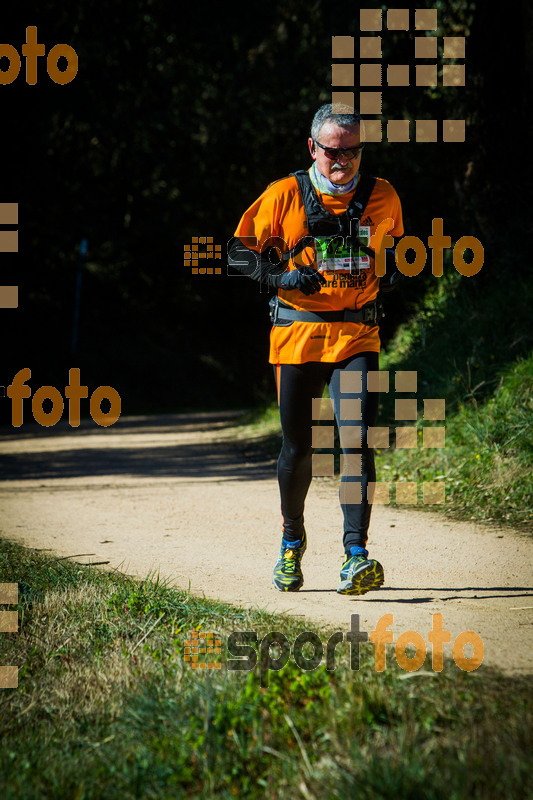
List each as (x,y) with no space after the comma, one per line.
(107,706)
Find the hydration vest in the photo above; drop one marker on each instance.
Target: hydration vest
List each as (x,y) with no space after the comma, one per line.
(323,224)
(320,223)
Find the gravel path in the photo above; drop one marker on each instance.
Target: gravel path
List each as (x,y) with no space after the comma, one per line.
(173,494)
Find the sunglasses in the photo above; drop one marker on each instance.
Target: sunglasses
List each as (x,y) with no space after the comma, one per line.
(333,152)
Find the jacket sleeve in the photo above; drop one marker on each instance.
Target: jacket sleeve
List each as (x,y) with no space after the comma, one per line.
(265,267)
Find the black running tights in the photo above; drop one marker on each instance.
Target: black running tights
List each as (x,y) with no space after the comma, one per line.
(355,410)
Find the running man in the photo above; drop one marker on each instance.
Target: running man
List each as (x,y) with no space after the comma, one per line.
(308,236)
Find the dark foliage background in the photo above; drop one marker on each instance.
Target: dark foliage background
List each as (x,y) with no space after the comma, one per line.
(180,115)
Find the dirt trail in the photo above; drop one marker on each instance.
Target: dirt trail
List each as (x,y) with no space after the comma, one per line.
(172,494)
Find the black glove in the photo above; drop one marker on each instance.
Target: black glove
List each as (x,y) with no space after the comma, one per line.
(393,276)
(306,279)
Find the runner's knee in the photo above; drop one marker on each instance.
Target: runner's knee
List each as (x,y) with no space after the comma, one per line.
(296,452)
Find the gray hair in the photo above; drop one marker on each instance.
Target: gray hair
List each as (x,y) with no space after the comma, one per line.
(346,119)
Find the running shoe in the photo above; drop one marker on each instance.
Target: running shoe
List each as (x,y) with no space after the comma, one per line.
(360,574)
(287,575)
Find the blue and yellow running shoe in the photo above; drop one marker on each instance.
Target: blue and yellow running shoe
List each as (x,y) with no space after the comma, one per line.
(287,575)
(360,574)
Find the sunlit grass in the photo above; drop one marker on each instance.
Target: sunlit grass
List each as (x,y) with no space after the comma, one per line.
(107,707)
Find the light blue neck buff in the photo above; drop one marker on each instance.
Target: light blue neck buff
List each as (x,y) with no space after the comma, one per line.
(325,186)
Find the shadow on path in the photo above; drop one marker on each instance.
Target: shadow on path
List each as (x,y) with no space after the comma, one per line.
(215,460)
(525,591)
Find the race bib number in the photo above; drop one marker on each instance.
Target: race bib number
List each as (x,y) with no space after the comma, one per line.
(334,255)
